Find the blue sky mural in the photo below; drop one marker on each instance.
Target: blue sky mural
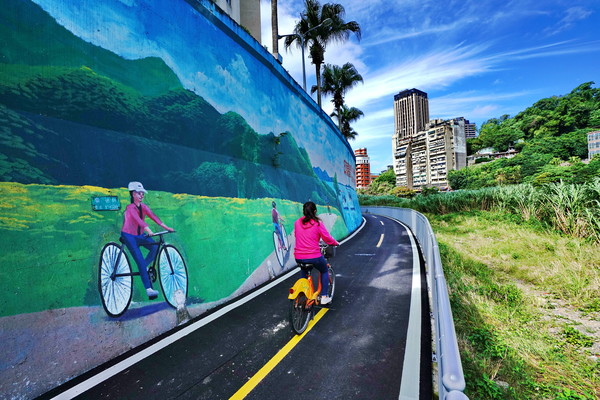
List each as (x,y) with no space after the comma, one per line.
(229,78)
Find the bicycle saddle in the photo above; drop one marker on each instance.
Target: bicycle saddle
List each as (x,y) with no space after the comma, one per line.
(306,266)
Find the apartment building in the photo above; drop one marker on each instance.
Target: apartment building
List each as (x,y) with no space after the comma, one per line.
(446,150)
(593,143)
(411,114)
(470,131)
(244,12)
(363,168)
(424,150)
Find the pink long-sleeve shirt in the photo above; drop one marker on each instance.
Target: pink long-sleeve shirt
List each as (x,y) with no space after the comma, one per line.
(307,239)
(133,221)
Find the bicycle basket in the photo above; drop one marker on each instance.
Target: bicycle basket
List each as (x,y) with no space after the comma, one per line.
(328,251)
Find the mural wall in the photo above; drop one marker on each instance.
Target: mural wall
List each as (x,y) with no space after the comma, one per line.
(225,147)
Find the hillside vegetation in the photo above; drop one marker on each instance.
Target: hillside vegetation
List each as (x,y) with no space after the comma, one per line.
(550,136)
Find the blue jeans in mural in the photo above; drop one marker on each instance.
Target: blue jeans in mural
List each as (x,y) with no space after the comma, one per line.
(279,233)
(133,243)
(321,264)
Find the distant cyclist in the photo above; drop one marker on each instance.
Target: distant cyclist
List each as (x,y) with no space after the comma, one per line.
(135,233)
(309,230)
(276,224)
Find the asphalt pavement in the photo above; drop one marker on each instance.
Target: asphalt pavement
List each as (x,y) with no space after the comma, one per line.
(361,347)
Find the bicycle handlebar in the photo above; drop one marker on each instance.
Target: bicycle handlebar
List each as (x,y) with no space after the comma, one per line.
(161,233)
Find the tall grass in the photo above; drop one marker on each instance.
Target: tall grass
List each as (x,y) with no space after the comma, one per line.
(568,208)
(506,283)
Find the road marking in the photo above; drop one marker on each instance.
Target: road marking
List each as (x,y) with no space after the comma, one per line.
(113,370)
(148,351)
(381,222)
(272,363)
(380,240)
(409,383)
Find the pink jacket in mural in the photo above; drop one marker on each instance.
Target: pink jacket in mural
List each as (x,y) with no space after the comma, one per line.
(134,224)
(307,239)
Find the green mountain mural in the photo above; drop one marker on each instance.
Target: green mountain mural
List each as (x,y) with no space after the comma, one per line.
(43,42)
(79,104)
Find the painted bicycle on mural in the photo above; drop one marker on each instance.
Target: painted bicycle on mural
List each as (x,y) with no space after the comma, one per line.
(115,276)
(280,239)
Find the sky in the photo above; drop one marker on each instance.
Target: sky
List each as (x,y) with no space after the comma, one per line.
(478,59)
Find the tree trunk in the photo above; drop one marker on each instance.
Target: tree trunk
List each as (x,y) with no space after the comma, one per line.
(318,75)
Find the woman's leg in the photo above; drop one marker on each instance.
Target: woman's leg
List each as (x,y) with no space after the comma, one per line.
(321,265)
(133,244)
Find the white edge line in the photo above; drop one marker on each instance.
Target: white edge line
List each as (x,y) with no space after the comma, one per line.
(412,354)
(128,362)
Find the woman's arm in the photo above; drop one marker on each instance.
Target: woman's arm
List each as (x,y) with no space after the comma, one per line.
(327,238)
(155,218)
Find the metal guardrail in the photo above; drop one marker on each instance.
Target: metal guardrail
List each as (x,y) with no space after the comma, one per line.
(451,380)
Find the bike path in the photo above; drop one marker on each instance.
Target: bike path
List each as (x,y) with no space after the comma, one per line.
(356,350)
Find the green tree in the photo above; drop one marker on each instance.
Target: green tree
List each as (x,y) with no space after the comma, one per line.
(345,118)
(499,133)
(336,82)
(317,35)
(388,176)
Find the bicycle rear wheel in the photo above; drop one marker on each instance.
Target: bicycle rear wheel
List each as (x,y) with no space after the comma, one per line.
(299,313)
(331,288)
(286,242)
(173,275)
(278,248)
(115,282)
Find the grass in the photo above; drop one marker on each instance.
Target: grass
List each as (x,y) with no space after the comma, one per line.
(571,209)
(51,242)
(521,294)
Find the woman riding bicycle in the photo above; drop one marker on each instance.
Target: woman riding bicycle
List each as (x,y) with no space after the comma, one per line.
(135,233)
(309,230)
(277,220)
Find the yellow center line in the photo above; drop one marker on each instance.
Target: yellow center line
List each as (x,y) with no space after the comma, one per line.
(380,240)
(268,367)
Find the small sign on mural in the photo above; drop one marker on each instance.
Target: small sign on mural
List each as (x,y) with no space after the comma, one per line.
(105,203)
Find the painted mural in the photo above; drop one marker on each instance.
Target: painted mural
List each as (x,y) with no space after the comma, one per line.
(125,117)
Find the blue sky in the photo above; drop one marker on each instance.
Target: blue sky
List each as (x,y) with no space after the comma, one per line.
(476,59)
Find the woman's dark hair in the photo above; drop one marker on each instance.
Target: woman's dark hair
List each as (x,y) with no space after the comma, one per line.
(131,195)
(310,212)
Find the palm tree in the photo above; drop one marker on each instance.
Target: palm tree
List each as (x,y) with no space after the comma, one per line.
(336,82)
(317,34)
(346,115)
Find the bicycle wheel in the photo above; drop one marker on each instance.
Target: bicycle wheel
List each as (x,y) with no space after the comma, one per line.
(278,248)
(286,242)
(173,275)
(299,314)
(115,282)
(331,288)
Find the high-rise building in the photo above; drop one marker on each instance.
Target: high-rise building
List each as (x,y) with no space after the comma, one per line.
(363,168)
(446,150)
(411,114)
(424,151)
(470,131)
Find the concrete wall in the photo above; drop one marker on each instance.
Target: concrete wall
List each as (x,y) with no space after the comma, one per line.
(175,95)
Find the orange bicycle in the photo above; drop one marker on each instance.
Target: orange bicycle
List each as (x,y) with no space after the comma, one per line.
(303,296)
